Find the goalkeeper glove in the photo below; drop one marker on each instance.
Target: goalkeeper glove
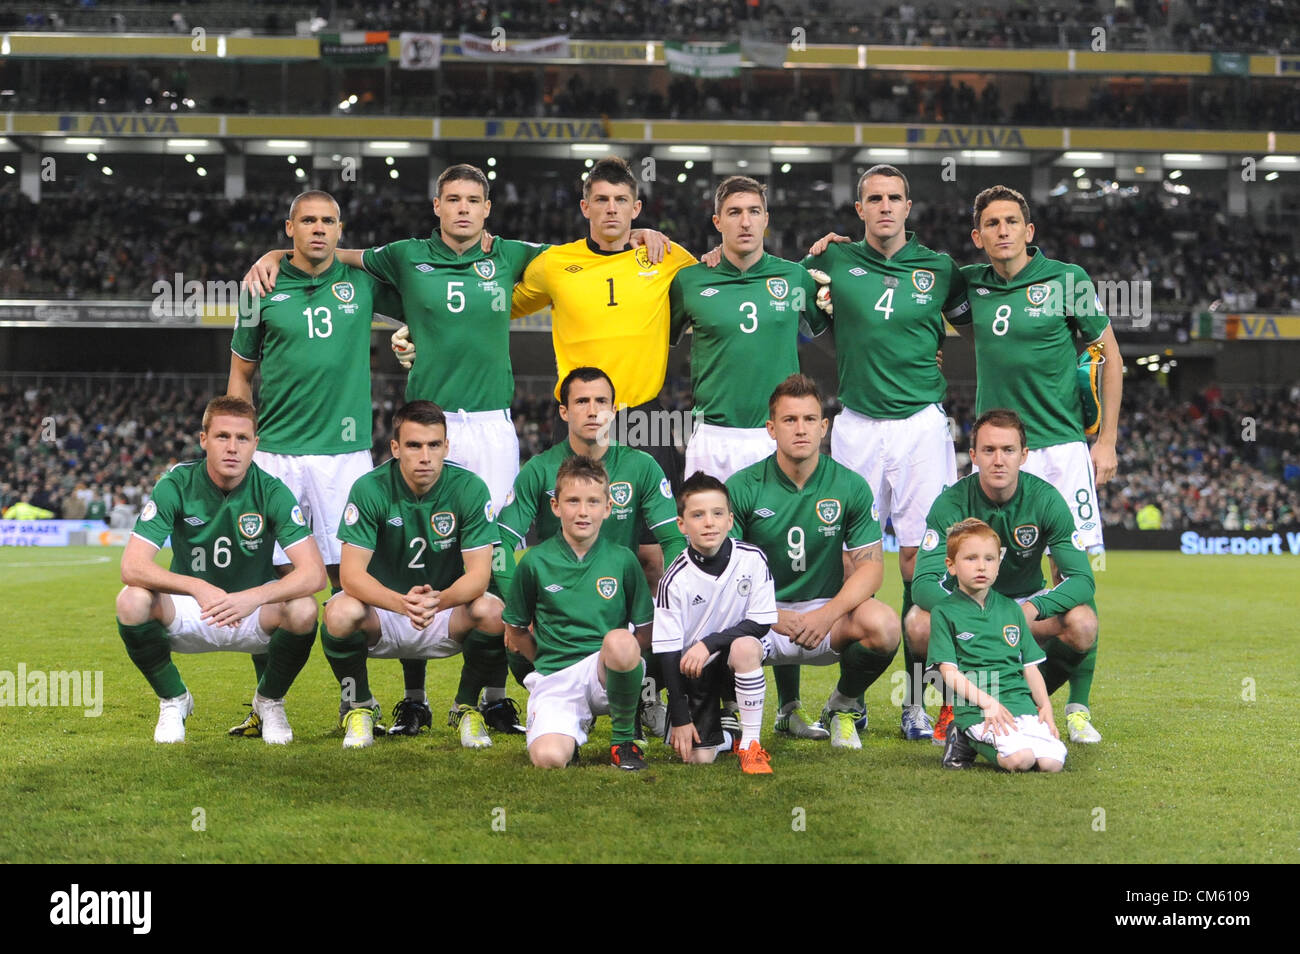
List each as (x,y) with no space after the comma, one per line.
(404,347)
(823,290)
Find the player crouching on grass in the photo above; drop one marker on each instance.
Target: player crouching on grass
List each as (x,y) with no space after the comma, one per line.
(977,633)
(224,515)
(417,557)
(717,601)
(568,611)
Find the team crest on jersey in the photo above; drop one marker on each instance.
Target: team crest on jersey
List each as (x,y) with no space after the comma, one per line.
(607,586)
(443,523)
(643,257)
(485,268)
(343,291)
(744,586)
(250,525)
(779,287)
(1026,535)
(620,492)
(828,510)
(930,540)
(149,512)
(923,279)
(296,516)
(1037,294)
(1012,635)
(350,514)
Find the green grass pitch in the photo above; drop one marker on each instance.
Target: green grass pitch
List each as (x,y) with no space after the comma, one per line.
(1195,695)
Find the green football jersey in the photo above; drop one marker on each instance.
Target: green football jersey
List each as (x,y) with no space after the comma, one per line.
(1025,354)
(991,645)
(312,337)
(575,602)
(803,532)
(1035,518)
(889,324)
(224,538)
(639,496)
(418,540)
(746,333)
(458,310)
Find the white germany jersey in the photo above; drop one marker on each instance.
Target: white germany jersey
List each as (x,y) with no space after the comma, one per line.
(691,604)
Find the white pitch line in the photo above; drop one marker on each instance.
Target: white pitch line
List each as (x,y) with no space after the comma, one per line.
(102,559)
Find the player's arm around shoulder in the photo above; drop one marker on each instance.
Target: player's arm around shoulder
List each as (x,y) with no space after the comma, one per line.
(532,292)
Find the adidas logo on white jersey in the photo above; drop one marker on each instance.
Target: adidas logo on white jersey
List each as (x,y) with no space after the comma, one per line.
(554,588)
(698,600)
(708,293)
(764,513)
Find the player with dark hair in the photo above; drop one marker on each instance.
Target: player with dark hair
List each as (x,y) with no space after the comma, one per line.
(569,606)
(891,295)
(223,514)
(745,317)
(1032,312)
(641,498)
(714,605)
(311,342)
(1029,516)
(805,511)
(417,539)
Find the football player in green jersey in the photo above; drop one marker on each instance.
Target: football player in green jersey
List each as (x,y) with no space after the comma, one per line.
(311,342)
(417,557)
(891,295)
(745,316)
(568,611)
(223,514)
(1030,318)
(1029,516)
(806,511)
(977,641)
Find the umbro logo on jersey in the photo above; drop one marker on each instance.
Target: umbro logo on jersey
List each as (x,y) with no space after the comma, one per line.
(424,267)
(764,513)
(573,268)
(395,521)
(194,521)
(708,293)
(857,272)
(283,296)
(965,635)
(981,291)
(554,588)
(698,600)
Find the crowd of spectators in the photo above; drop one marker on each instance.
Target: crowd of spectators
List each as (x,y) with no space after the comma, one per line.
(82,245)
(93,449)
(1192,25)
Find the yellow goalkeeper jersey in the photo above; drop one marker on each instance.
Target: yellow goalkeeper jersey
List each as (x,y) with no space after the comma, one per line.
(609,310)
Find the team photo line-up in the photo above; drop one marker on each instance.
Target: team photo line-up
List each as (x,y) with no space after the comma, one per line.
(768,553)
